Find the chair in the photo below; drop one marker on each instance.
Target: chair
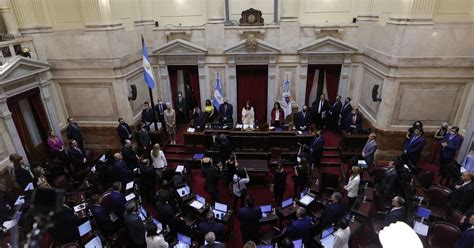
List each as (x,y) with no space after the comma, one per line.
(455,217)
(425,179)
(275,236)
(438,199)
(329,182)
(443,234)
(378,174)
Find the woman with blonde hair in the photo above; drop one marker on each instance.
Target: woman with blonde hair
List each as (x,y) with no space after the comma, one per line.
(170,120)
(41,181)
(352,186)
(158,158)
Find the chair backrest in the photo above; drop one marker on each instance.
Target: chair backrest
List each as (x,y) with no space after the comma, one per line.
(455,217)
(426,178)
(329,180)
(438,196)
(443,234)
(379,173)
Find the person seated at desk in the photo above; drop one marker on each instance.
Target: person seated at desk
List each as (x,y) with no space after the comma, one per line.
(300,228)
(135,226)
(199,119)
(397,213)
(249,218)
(333,212)
(353,121)
(211,226)
(343,234)
(303,119)
(248,114)
(226,110)
(467,237)
(463,195)
(102,216)
(211,241)
(209,111)
(278,115)
(153,239)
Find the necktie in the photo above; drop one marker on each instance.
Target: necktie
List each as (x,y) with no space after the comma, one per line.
(414,138)
(354,117)
(79,150)
(320,106)
(161,109)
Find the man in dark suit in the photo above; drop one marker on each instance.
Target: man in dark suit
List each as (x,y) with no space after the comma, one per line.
(413,147)
(316,148)
(226,111)
(23,174)
(115,201)
(199,119)
(211,241)
(147,115)
(121,171)
(144,140)
(64,229)
(77,155)
(334,114)
(102,216)
(320,110)
(123,130)
(129,155)
(147,181)
(212,181)
(211,226)
(182,114)
(160,108)
(397,213)
(353,121)
(300,228)
(165,210)
(73,132)
(369,149)
(467,237)
(333,212)
(450,145)
(303,119)
(135,226)
(386,187)
(463,196)
(345,110)
(249,218)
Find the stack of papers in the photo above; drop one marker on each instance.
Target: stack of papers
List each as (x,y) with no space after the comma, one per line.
(197,205)
(130,197)
(20,200)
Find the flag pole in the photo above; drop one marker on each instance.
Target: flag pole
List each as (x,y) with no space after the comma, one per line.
(152,103)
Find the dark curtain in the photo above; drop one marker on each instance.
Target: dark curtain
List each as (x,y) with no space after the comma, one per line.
(174,85)
(194,76)
(20,125)
(333,73)
(40,115)
(191,79)
(309,84)
(252,82)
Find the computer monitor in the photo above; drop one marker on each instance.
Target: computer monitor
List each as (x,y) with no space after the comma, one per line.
(286,203)
(423,213)
(266,208)
(184,239)
(220,207)
(201,199)
(85,228)
(326,232)
(298,243)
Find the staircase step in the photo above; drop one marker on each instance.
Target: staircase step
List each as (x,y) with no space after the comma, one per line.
(331,153)
(331,148)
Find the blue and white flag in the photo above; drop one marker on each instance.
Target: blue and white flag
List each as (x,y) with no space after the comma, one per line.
(148,71)
(286,98)
(218,99)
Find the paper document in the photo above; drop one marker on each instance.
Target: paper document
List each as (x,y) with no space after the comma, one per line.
(79,207)
(20,200)
(130,197)
(29,187)
(179,169)
(306,200)
(129,185)
(196,205)
(191,130)
(9,224)
(421,228)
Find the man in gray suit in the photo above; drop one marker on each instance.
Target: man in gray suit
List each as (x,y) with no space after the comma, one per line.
(369,150)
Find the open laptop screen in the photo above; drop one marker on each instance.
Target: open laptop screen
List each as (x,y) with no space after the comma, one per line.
(184,239)
(85,228)
(287,203)
(220,207)
(298,243)
(423,213)
(326,232)
(201,199)
(266,208)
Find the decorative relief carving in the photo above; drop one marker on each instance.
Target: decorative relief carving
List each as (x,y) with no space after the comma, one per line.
(16,85)
(249,59)
(251,17)
(323,58)
(181,60)
(251,43)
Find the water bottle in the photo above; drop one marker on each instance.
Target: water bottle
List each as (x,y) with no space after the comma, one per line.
(352,218)
(365,198)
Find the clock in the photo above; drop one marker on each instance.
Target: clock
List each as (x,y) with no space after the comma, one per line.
(251,19)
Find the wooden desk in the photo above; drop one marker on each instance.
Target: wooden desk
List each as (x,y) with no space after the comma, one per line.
(272,218)
(352,145)
(160,136)
(254,165)
(364,209)
(286,212)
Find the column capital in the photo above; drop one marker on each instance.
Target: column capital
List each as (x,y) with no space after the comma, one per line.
(31,16)
(98,16)
(414,12)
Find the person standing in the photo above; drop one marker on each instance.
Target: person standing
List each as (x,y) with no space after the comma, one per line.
(231,165)
(160,108)
(353,121)
(239,189)
(147,181)
(300,178)
(212,182)
(320,108)
(278,115)
(248,114)
(334,114)
(279,184)
(159,160)
(413,147)
(369,149)
(209,111)
(123,130)
(436,147)
(226,110)
(55,144)
(73,132)
(345,110)
(450,145)
(135,226)
(343,234)
(316,148)
(170,120)
(129,155)
(182,114)
(352,186)
(303,119)
(144,140)
(301,227)
(147,115)
(153,239)
(249,218)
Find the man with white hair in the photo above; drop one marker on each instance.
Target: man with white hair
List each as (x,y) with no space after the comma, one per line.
(225,113)
(211,241)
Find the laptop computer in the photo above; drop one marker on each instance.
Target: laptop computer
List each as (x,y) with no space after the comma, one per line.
(219,210)
(201,199)
(326,232)
(298,243)
(306,199)
(328,242)
(265,210)
(184,191)
(85,228)
(184,240)
(286,203)
(94,243)
(423,213)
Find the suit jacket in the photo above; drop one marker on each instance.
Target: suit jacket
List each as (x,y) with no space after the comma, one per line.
(303,120)
(102,218)
(166,214)
(199,120)
(454,143)
(299,229)
(332,214)
(394,216)
(22,177)
(123,131)
(115,202)
(386,186)
(215,227)
(64,228)
(130,157)
(369,152)
(345,110)
(136,228)
(148,177)
(181,104)
(336,110)
(226,112)
(413,147)
(122,172)
(160,113)
(74,132)
(467,239)
(250,219)
(349,121)
(317,147)
(76,156)
(463,197)
(324,107)
(147,115)
(281,115)
(144,139)
(212,180)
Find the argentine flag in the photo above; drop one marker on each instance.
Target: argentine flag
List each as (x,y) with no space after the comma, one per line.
(286,98)
(218,99)
(148,71)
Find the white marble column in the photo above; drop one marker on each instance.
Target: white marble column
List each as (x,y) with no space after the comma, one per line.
(144,13)
(8,17)
(289,11)
(232,82)
(344,77)
(303,77)
(414,12)
(31,16)
(98,16)
(44,87)
(215,11)
(6,116)
(272,86)
(365,11)
(165,80)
